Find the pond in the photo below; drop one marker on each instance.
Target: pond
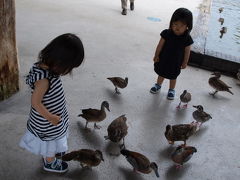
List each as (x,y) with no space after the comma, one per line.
(223,37)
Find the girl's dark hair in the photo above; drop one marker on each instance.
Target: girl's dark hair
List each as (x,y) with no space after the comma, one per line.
(183,15)
(62,54)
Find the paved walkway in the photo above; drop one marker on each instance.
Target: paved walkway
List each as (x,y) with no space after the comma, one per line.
(119,45)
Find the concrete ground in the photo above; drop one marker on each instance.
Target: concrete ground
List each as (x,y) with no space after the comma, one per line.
(117,45)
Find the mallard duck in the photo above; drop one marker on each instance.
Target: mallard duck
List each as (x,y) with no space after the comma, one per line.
(95,115)
(140,162)
(200,116)
(118,82)
(223,31)
(86,157)
(218,84)
(180,132)
(117,130)
(220,9)
(185,97)
(182,154)
(221,20)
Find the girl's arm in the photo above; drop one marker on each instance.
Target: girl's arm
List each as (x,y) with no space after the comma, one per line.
(158,49)
(186,56)
(41,87)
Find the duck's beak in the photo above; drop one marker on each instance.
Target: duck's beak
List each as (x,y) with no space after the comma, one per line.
(108,109)
(156,172)
(195,106)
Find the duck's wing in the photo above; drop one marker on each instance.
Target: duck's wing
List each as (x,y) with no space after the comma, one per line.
(139,161)
(91,112)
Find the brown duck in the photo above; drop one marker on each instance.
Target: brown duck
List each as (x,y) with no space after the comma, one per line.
(86,157)
(200,115)
(180,132)
(218,84)
(182,154)
(117,130)
(140,162)
(95,115)
(185,97)
(118,82)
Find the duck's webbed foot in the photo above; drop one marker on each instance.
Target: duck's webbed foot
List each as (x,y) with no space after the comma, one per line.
(96,126)
(178,166)
(117,91)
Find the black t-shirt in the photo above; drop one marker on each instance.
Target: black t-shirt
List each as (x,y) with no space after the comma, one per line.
(172,54)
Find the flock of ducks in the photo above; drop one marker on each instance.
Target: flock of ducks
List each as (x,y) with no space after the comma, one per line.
(223,30)
(118,129)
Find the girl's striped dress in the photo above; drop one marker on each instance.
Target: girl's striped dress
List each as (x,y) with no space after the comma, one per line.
(54,101)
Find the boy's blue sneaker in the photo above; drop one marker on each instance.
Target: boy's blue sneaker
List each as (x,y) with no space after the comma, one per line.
(57,165)
(171,94)
(155,88)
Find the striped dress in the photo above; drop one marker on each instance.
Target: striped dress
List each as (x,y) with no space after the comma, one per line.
(54,101)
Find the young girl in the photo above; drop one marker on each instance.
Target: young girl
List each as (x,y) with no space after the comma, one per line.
(47,125)
(173,50)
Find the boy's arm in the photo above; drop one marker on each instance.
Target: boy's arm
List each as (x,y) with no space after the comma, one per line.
(41,87)
(158,49)
(186,56)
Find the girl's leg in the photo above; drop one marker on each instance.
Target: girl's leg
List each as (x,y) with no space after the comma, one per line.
(157,86)
(160,80)
(171,91)
(55,165)
(172,83)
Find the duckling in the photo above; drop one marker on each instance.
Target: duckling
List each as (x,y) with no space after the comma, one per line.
(118,82)
(200,116)
(182,154)
(223,31)
(220,10)
(180,132)
(95,115)
(218,84)
(117,130)
(221,20)
(86,157)
(185,97)
(140,162)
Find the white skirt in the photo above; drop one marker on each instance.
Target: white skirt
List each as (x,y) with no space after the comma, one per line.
(44,148)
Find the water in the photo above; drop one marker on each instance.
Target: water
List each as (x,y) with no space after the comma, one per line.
(229,44)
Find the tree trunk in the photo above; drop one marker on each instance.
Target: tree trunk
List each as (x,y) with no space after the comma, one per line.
(9,73)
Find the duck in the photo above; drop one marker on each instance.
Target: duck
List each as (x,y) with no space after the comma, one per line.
(95,115)
(140,162)
(180,132)
(200,116)
(223,31)
(221,20)
(185,97)
(182,154)
(118,82)
(117,130)
(220,9)
(87,157)
(218,84)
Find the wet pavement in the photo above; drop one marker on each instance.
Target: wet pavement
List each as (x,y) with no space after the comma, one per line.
(117,45)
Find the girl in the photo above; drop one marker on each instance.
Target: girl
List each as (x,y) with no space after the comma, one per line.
(173,50)
(47,125)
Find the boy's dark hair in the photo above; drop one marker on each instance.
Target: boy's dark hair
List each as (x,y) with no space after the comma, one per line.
(62,54)
(183,15)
